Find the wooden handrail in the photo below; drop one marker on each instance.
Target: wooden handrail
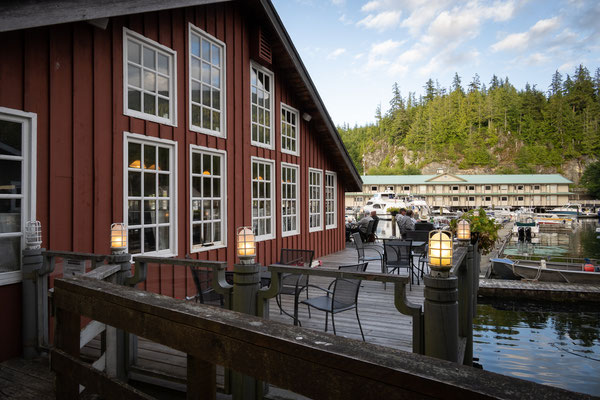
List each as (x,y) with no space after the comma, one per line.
(311,363)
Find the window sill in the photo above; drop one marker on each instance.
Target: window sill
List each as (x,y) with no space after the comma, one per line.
(264,146)
(331,226)
(317,229)
(151,118)
(291,153)
(208,132)
(264,238)
(288,234)
(201,249)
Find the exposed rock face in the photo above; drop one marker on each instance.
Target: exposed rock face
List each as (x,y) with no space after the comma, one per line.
(571,169)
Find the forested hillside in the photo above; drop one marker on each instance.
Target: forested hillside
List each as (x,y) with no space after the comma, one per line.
(494,129)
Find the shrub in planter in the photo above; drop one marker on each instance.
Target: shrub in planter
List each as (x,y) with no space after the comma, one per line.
(483,229)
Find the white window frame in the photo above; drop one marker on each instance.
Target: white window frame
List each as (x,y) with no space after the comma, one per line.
(374,188)
(455,188)
(320,199)
(285,107)
(297,168)
(28,180)
(326,200)
(257,237)
(172,55)
(206,150)
(173,231)
(194,30)
(271,145)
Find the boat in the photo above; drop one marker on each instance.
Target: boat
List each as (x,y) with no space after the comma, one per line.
(545,271)
(554,219)
(567,209)
(525,226)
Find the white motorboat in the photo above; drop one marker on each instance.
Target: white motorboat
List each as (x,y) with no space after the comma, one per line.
(554,219)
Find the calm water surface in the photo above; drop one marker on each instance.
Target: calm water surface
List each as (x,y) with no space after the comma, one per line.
(556,348)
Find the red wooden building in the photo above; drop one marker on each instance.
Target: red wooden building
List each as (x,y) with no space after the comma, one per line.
(184,119)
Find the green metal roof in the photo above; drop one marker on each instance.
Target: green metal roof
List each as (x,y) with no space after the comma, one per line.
(464,179)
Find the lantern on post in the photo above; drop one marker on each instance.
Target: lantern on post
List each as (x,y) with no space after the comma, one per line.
(33,235)
(463,230)
(246,245)
(440,252)
(118,238)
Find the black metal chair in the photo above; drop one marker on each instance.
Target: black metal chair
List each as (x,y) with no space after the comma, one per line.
(364,236)
(419,236)
(294,284)
(360,249)
(397,255)
(423,261)
(343,297)
(424,226)
(202,278)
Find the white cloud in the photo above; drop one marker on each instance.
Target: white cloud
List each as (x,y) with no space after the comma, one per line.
(336,53)
(523,40)
(382,21)
(345,20)
(537,59)
(338,2)
(371,6)
(384,48)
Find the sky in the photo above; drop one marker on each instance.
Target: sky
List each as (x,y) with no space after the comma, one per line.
(355,50)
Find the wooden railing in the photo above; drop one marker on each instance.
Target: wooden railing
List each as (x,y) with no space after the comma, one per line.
(307,362)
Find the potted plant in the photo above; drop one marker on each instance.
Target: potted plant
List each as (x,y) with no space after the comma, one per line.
(483,229)
(393,210)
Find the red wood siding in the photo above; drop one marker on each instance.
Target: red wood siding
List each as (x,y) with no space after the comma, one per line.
(71,75)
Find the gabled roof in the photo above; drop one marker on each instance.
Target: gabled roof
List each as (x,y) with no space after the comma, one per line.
(23,14)
(462,179)
(446,178)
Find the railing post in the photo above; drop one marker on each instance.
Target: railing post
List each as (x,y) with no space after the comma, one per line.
(465,304)
(67,340)
(33,301)
(246,284)
(441,317)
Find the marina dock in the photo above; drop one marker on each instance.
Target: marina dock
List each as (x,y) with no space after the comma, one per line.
(538,291)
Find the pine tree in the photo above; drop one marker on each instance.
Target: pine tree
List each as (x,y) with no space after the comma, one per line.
(456,84)
(429,90)
(494,83)
(475,84)
(555,88)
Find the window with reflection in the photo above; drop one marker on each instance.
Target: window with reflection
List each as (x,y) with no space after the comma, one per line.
(207,81)
(262,198)
(289,130)
(150,195)
(208,196)
(11,193)
(261,103)
(290,176)
(149,79)
(315,200)
(330,199)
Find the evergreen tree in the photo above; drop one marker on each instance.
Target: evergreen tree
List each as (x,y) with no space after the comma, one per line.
(494,82)
(429,90)
(555,88)
(475,84)
(456,87)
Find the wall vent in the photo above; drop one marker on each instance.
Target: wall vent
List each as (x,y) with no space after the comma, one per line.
(261,47)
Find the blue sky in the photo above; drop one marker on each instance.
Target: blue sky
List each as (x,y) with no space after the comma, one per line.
(355,50)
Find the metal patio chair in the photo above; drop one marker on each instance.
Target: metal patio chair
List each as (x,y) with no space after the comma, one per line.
(343,297)
(361,248)
(294,284)
(397,255)
(203,282)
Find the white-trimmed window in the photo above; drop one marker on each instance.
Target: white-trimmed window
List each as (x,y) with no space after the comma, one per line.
(289,130)
(374,188)
(207,83)
(208,228)
(263,198)
(17,188)
(150,194)
(330,200)
(290,199)
(315,200)
(455,188)
(261,104)
(149,79)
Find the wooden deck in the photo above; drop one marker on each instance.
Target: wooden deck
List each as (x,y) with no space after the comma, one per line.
(382,324)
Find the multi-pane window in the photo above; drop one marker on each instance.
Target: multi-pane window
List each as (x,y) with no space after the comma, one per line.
(207,83)
(149,79)
(455,188)
(488,187)
(261,100)
(207,198)
(315,200)
(290,177)
(330,200)
(151,199)
(262,198)
(471,188)
(289,130)
(455,198)
(17,188)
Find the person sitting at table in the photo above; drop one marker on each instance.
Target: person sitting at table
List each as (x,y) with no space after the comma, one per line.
(361,226)
(404,223)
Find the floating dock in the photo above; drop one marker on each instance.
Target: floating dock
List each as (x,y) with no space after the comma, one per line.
(544,291)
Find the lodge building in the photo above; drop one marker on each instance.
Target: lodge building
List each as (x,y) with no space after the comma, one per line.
(470,191)
(183,119)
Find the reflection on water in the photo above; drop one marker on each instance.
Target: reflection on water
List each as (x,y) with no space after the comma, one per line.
(556,348)
(579,243)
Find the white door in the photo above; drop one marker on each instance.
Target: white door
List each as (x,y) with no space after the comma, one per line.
(17,188)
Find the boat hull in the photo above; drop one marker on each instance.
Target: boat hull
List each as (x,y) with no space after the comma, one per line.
(554,272)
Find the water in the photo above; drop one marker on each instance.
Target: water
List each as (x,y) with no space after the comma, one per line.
(582,242)
(552,347)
